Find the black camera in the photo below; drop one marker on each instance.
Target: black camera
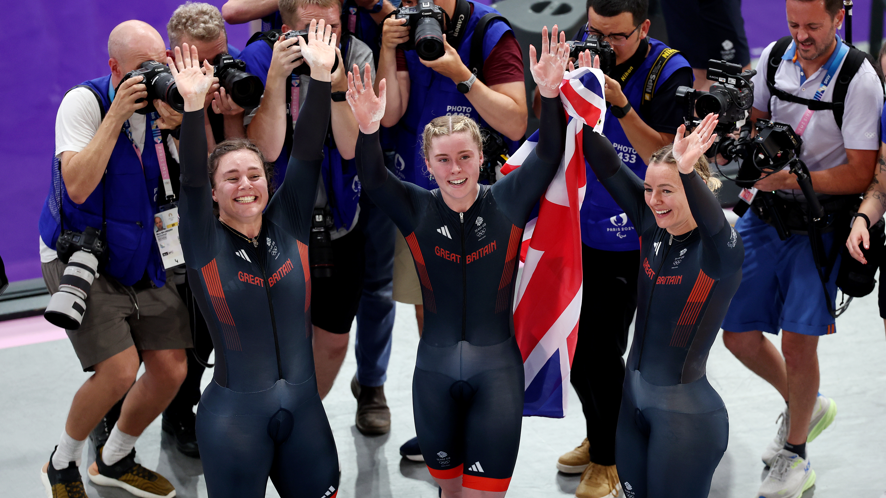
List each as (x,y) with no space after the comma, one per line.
(426,33)
(81,252)
(730,98)
(495,154)
(775,146)
(600,48)
(304,69)
(244,88)
(320,245)
(160,84)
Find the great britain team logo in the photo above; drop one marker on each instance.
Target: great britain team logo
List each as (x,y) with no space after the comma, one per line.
(480,230)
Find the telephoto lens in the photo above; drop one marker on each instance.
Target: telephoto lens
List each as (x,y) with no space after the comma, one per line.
(244,89)
(429,39)
(67,306)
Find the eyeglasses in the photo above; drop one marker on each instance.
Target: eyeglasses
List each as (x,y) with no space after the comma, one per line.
(615,39)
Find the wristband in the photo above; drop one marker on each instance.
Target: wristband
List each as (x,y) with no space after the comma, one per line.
(620,112)
(867,220)
(339,96)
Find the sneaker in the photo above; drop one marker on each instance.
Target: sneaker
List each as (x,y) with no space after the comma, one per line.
(130,476)
(65,483)
(789,476)
(823,416)
(411,451)
(577,460)
(599,481)
(181,427)
(373,415)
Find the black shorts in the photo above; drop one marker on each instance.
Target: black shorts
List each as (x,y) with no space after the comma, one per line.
(334,300)
(707,29)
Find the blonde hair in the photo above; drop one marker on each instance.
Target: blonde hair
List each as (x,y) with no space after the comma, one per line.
(447,125)
(665,155)
(197,21)
(289,9)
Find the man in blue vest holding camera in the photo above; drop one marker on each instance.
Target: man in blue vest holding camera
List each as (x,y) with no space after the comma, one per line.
(643,116)
(112,175)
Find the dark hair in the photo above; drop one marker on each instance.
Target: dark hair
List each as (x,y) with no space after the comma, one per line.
(233,145)
(639,9)
(833,7)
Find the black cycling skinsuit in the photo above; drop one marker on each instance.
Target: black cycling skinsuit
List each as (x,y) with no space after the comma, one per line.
(261,416)
(672,427)
(468,383)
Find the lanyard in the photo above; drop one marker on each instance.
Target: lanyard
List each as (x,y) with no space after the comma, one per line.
(828,77)
(294,96)
(158,147)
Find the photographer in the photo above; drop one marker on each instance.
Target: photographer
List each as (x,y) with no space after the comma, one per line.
(354,232)
(783,279)
(110,179)
(637,126)
(420,90)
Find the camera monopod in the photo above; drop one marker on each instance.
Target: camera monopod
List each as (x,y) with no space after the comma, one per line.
(847,5)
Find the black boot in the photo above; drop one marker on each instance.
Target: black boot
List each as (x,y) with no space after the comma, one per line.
(181,427)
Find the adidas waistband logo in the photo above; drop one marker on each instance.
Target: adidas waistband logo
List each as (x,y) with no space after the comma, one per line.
(477,468)
(444,230)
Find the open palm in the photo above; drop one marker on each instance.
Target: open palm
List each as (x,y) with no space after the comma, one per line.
(548,71)
(319,51)
(191,80)
(688,149)
(368,108)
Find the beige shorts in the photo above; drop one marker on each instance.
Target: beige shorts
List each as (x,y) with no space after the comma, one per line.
(407,288)
(113,322)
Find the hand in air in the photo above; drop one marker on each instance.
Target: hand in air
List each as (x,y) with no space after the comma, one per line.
(548,71)
(192,81)
(687,150)
(858,235)
(368,108)
(319,51)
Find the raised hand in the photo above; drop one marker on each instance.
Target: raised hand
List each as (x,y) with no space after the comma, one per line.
(548,71)
(687,150)
(192,81)
(368,108)
(319,51)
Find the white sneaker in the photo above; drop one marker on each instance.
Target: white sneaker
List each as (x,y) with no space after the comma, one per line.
(789,477)
(823,415)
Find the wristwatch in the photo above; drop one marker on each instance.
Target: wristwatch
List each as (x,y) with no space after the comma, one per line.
(620,112)
(339,96)
(465,86)
(862,216)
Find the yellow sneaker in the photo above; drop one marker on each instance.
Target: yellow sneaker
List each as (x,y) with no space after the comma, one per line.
(599,481)
(65,483)
(575,461)
(130,476)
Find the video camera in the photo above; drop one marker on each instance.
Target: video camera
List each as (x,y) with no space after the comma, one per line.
(731,98)
(426,33)
(244,88)
(600,48)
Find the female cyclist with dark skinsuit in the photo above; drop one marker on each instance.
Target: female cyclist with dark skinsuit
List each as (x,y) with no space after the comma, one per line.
(261,415)
(672,426)
(464,238)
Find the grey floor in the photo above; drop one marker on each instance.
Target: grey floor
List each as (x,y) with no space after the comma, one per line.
(38,381)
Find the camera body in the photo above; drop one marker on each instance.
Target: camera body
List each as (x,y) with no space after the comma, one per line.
(731,98)
(426,29)
(320,244)
(81,252)
(598,47)
(160,85)
(304,69)
(244,88)
(775,146)
(495,154)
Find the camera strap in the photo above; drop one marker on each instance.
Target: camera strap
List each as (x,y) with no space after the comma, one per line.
(158,147)
(475,57)
(458,23)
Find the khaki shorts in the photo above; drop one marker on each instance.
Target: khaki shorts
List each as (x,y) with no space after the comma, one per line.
(112,322)
(407,288)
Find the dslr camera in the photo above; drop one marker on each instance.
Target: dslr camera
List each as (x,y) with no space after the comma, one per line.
(304,69)
(730,98)
(495,154)
(81,252)
(244,88)
(600,48)
(426,29)
(160,84)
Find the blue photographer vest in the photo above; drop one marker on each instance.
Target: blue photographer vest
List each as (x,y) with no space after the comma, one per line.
(432,95)
(339,175)
(127,195)
(604,225)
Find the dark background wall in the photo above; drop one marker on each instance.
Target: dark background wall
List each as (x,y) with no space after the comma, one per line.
(52,45)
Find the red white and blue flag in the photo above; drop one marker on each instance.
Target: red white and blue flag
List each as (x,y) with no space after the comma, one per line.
(548,299)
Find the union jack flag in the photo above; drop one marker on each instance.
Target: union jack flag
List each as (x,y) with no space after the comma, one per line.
(548,300)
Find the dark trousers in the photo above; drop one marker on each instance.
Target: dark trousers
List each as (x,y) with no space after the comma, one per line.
(609,299)
(189,393)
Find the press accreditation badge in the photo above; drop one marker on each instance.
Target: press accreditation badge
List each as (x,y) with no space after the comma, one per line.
(168,240)
(748,195)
